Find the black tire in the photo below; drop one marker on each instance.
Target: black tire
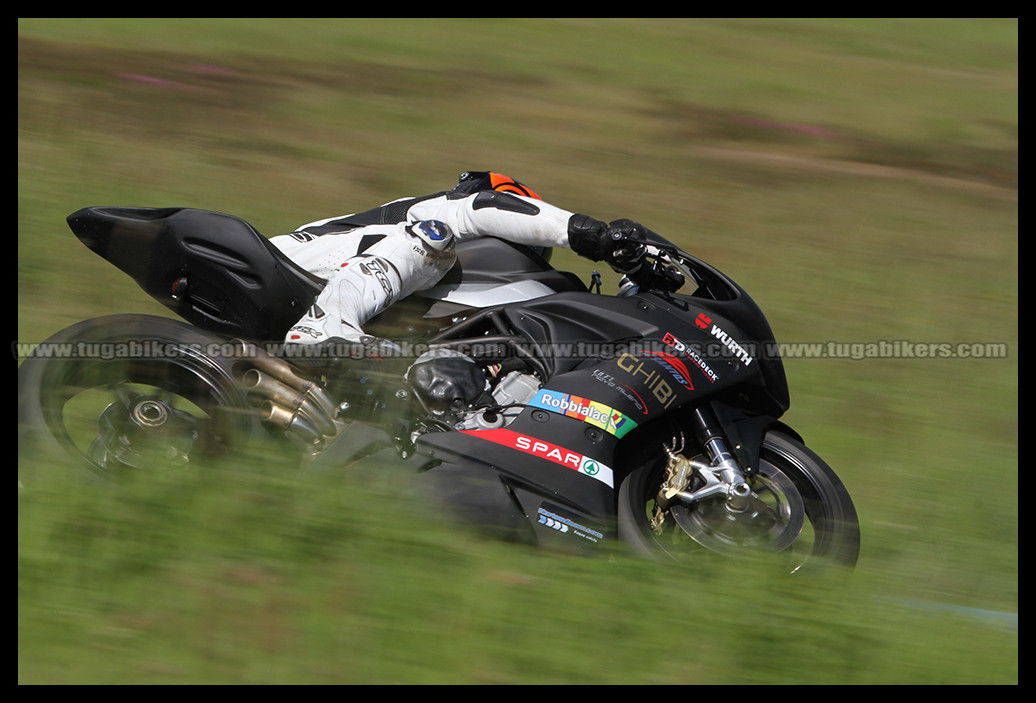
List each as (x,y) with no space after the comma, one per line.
(127,394)
(808,520)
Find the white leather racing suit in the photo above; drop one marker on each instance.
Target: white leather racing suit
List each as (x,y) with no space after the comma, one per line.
(372,259)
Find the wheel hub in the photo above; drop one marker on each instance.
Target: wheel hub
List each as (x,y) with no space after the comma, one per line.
(143,433)
(149,413)
(770,517)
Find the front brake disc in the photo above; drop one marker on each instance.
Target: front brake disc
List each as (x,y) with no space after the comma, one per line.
(771,520)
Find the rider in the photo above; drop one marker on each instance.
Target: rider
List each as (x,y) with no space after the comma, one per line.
(373,258)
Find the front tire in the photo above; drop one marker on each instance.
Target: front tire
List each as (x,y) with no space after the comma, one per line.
(800,511)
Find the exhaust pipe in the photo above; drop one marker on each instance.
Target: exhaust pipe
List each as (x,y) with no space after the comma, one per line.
(297,428)
(298,405)
(283,372)
(294,401)
(286,419)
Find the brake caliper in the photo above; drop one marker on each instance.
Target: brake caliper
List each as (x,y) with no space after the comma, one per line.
(677,477)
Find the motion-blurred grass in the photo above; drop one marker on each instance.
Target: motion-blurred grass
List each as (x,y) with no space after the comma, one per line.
(859,177)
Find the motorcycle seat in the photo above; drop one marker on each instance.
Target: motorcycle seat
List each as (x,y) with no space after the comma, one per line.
(212,269)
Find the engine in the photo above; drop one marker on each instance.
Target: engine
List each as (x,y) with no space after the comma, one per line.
(457,390)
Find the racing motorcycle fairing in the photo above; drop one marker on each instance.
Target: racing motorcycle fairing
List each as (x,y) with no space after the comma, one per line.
(538,464)
(616,367)
(213,270)
(649,353)
(536,467)
(619,372)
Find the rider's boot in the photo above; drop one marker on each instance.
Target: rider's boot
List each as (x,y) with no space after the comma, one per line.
(367,284)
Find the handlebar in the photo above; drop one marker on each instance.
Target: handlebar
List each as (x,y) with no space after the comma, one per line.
(665,267)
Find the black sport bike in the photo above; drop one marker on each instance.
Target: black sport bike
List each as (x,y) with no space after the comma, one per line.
(532,403)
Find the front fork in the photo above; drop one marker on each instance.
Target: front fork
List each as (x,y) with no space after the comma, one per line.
(722,474)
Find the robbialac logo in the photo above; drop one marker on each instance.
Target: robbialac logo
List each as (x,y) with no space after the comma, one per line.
(589,411)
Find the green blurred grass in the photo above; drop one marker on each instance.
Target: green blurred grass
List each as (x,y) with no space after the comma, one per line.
(859,177)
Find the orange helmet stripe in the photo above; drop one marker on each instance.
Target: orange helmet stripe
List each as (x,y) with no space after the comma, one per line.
(507,184)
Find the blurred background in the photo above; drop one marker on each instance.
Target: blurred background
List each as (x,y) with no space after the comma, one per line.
(858,176)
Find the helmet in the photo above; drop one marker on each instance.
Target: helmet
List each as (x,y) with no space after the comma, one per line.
(476,181)
(506,184)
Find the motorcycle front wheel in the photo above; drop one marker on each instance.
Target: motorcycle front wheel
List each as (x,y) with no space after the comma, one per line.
(124,395)
(798,510)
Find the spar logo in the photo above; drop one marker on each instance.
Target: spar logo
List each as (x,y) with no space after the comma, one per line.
(546,450)
(590,467)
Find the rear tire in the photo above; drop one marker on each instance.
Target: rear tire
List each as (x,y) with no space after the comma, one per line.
(803,514)
(129,394)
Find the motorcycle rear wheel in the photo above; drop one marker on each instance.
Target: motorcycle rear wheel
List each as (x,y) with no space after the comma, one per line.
(801,512)
(125,395)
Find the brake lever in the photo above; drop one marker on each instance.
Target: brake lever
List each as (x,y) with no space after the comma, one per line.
(657,269)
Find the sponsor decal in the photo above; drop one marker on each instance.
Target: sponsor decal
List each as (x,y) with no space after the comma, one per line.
(377,269)
(674,366)
(299,330)
(631,395)
(589,411)
(649,375)
(736,349)
(694,356)
(559,455)
(704,321)
(553,517)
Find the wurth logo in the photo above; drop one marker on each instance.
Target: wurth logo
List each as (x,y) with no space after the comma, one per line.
(546,450)
(736,349)
(703,321)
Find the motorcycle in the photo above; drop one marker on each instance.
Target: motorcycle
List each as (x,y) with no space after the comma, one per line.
(530,402)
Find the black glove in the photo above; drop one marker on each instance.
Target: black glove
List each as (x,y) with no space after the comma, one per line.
(625,248)
(584,236)
(598,241)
